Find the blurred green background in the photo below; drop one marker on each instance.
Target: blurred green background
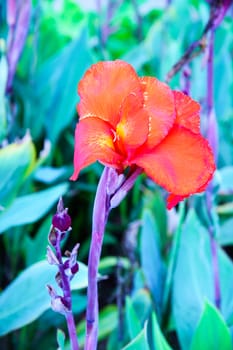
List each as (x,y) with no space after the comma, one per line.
(159,293)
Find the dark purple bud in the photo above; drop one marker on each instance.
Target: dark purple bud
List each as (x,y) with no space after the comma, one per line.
(74,269)
(51,257)
(61,220)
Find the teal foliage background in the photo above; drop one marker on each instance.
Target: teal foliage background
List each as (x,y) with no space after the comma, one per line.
(158,290)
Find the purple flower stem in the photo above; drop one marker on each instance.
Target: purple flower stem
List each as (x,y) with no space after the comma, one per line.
(106,191)
(65,282)
(100,214)
(209,193)
(18,22)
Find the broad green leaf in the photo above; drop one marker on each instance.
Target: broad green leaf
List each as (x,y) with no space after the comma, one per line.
(34,248)
(50,175)
(17,160)
(61,339)
(137,56)
(26,298)
(156,338)
(142,304)
(193,279)
(62,73)
(225,179)
(211,332)
(152,264)
(139,342)
(30,208)
(225,234)
(133,323)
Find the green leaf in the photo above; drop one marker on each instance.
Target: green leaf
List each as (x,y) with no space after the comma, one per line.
(225,179)
(225,234)
(17,160)
(155,336)
(193,279)
(61,339)
(50,175)
(57,84)
(152,264)
(35,247)
(142,304)
(133,323)
(139,342)
(26,298)
(211,332)
(30,208)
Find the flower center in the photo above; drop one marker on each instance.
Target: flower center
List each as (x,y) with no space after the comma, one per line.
(118,137)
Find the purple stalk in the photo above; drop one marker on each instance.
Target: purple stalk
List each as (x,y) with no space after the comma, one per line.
(67,269)
(65,283)
(212,137)
(100,214)
(18,18)
(186,80)
(111,190)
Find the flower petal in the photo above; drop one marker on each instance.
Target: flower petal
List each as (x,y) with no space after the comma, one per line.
(133,127)
(187,112)
(94,141)
(182,163)
(159,103)
(173,200)
(104,87)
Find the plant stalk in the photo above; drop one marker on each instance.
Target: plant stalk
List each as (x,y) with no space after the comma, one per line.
(212,129)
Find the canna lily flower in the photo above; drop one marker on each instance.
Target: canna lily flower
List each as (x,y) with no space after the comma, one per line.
(131,121)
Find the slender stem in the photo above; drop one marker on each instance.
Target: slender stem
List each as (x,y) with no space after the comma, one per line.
(108,195)
(67,297)
(209,192)
(72,330)
(210,74)
(100,214)
(218,11)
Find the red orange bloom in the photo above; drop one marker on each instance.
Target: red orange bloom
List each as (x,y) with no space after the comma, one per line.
(127,121)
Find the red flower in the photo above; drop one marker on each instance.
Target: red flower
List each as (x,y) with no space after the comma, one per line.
(126,120)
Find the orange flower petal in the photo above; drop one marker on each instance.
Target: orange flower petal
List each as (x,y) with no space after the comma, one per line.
(93,141)
(182,163)
(187,112)
(133,127)
(104,87)
(159,103)
(173,200)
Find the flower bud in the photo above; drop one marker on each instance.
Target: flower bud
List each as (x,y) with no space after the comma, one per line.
(61,220)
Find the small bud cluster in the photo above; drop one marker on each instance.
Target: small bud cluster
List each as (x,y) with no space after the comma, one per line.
(67,268)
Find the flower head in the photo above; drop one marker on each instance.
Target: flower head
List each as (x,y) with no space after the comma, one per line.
(129,121)
(61,220)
